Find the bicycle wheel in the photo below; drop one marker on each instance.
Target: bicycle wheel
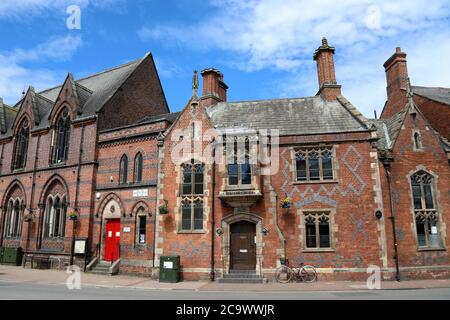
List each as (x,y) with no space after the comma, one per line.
(308,274)
(283,274)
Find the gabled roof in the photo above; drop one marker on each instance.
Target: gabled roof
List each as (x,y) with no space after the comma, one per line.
(441,95)
(92,92)
(301,116)
(7,116)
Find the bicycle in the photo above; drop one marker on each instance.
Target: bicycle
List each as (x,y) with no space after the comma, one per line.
(305,273)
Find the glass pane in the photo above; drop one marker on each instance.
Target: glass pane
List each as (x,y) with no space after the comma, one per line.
(421,237)
(246,173)
(311,235)
(186,218)
(428,196)
(198,216)
(187,180)
(417,195)
(199,181)
(324,231)
(233,178)
(327,167)
(314,173)
(142,229)
(301,170)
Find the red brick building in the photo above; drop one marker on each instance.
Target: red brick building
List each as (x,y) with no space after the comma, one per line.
(233,188)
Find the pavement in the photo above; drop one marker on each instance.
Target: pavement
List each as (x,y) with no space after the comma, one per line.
(53,277)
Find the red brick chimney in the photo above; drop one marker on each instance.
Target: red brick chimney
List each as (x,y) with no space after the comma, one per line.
(214,89)
(396,68)
(328,87)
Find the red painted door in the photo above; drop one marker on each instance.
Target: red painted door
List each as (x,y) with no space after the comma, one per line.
(112,241)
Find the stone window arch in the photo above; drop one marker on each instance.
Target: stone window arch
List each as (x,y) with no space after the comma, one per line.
(14,218)
(55,216)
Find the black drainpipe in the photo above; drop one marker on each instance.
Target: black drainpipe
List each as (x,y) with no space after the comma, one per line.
(33,187)
(213,222)
(387,162)
(77,191)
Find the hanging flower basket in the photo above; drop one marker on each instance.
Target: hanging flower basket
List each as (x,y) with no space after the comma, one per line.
(164,209)
(286,203)
(28,217)
(73,216)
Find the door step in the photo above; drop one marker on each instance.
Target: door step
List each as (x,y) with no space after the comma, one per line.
(101,268)
(239,276)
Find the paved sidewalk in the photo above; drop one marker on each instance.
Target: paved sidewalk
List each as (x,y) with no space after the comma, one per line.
(18,274)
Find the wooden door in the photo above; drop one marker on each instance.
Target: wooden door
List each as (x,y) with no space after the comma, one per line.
(243,246)
(112,241)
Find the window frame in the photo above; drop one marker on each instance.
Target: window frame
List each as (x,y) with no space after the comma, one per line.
(21,146)
(123,170)
(61,138)
(320,150)
(317,213)
(236,162)
(14,218)
(55,218)
(424,212)
(138,168)
(139,215)
(192,198)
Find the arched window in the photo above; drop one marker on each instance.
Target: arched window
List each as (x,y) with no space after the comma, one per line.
(61,138)
(138,163)
(21,149)
(141,227)
(417,141)
(425,212)
(55,217)
(14,217)
(192,192)
(123,173)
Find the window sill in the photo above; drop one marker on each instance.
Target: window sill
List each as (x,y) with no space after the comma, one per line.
(191,232)
(319,251)
(243,188)
(431,249)
(19,170)
(316,182)
(56,165)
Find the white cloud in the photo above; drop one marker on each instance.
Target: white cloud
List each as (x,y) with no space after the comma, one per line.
(15,75)
(30,8)
(281,36)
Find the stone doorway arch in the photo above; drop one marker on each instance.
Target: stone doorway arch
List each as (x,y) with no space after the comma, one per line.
(226,238)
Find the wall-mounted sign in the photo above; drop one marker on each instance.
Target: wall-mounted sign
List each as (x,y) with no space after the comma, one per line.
(140,193)
(126,230)
(80,246)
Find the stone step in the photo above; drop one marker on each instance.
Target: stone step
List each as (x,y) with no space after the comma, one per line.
(241,276)
(242,272)
(243,280)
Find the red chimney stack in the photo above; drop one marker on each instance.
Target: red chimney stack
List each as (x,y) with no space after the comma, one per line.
(328,87)
(214,88)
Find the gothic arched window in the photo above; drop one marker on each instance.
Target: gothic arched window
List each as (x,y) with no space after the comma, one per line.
(55,217)
(138,164)
(14,217)
(425,212)
(61,138)
(21,149)
(123,174)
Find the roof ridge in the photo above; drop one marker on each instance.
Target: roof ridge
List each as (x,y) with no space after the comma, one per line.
(431,87)
(97,74)
(277,99)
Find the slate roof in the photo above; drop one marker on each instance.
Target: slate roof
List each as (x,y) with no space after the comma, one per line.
(171,117)
(300,116)
(93,92)
(7,116)
(441,95)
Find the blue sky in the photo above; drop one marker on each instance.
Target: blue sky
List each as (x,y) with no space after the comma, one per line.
(264,47)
